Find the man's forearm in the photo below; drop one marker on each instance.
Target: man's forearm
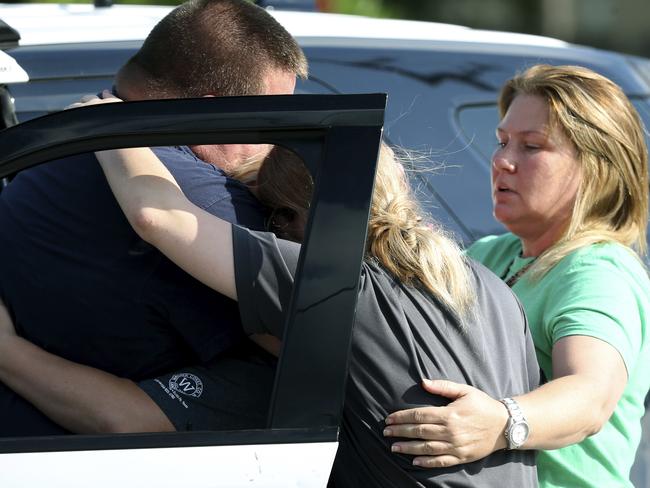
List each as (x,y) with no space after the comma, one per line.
(81,399)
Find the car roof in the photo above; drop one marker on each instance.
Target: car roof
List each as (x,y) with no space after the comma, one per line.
(73,23)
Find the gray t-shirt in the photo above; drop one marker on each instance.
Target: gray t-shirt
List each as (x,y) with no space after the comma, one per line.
(401,335)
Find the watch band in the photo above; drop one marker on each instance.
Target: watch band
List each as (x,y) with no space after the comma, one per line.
(517,429)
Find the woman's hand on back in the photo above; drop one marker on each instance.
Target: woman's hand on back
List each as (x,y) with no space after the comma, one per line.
(469,428)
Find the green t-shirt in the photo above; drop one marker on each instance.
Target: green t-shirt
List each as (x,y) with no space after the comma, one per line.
(601,291)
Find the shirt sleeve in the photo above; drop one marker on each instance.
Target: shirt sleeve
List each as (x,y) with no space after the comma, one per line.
(209,188)
(594,298)
(264,273)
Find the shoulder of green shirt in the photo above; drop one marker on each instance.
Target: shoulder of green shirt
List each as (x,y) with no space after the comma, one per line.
(493,243)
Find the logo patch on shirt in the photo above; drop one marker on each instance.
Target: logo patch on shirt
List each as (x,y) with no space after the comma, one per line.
(187,384)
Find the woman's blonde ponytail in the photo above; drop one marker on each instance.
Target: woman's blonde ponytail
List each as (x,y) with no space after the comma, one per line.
(415,250)
(409,246)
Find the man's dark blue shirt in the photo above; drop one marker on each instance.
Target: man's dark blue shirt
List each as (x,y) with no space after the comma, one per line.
(79,282)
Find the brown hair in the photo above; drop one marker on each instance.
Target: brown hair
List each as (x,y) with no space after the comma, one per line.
(607,132)
(215,47)
(285,186)
(400,236)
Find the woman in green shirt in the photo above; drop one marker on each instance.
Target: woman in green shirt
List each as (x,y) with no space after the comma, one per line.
(570,183)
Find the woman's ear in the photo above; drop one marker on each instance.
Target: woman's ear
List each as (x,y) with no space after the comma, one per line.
(287,224)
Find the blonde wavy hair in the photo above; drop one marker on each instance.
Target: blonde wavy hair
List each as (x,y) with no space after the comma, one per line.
(612,200)
(413,248)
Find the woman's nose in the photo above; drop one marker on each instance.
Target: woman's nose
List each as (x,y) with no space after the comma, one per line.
(503,163)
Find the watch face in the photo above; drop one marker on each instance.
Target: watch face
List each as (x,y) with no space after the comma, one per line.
(519,433)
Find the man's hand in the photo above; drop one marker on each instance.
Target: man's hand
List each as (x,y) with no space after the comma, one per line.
(6,324)
(469,428)
(86,100)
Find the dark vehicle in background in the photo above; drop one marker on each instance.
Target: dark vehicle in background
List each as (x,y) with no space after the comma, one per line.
(442,82)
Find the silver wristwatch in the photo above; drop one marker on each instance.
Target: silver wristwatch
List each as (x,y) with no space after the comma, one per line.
(517,429)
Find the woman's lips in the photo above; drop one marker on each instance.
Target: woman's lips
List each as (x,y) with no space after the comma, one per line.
(502,193)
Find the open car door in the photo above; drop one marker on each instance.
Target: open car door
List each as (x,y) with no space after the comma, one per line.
(338,138)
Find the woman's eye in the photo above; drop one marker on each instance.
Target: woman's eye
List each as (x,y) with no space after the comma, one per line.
(531,147)
(501,144)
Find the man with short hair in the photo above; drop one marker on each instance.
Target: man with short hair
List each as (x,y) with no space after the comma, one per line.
(76,279)
(214,48)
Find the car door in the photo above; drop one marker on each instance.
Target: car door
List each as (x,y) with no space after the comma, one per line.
(337,137)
